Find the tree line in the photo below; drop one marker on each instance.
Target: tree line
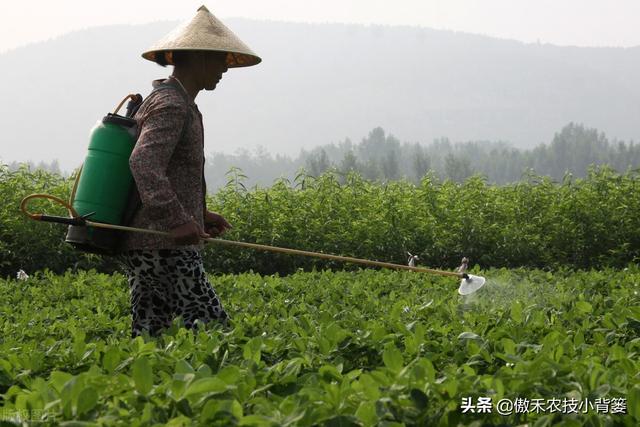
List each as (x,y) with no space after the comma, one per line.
(382,157)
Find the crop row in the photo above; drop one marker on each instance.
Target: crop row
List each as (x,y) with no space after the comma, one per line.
(587,223)
(325,348)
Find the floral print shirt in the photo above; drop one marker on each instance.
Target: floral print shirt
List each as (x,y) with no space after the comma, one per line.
(167,165)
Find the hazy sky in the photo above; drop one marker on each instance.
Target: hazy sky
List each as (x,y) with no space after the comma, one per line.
(562,22)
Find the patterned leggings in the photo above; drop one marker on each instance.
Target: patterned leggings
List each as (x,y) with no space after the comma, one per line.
(168,283)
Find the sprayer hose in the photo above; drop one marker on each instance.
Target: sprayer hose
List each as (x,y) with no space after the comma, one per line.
(37,217)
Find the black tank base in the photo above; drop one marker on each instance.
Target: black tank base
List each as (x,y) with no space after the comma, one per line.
(93,240)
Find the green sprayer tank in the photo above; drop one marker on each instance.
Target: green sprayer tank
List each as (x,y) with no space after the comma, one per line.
(105,182)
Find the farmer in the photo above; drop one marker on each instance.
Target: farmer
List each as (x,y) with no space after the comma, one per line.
(166,275)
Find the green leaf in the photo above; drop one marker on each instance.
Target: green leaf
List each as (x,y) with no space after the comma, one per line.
(87,400)
(329,373)
(392,358)
(428,371)
(450,386)
(58,379)
(257,421)
(508,345)
(147,412)
(79,343)
(179,385)
(142,375)
(5,366)
(211,385)
(584,307)
(180,421)
(352,375)
(251,350)
(183,367)
(111,359)
(291,370)
(516,312)
(369,387)
(230,374)
(617,352)
(70,393)
(366,413)
(203,371)
(213,407)
(633,399)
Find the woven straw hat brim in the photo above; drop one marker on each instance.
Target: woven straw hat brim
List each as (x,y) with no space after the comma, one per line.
(204,33)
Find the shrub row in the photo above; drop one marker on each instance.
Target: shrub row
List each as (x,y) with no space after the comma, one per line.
(581,223)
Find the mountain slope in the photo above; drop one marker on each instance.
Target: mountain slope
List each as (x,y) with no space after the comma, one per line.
(321,83)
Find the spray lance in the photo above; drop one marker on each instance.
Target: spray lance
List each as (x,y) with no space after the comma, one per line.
(469,283)
(101,201)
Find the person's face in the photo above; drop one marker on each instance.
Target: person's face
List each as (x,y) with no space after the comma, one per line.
(213,65)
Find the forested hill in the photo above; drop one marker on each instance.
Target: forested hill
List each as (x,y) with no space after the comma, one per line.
(323,83)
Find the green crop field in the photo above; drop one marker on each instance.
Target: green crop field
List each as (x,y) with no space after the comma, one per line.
(553,338)
(330,348)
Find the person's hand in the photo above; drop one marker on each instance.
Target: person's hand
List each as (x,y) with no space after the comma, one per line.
(188,234)
(215,224)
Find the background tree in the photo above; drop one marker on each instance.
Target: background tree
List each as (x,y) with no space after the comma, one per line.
(349,163)
(421,163)
(457,169)
(318,162)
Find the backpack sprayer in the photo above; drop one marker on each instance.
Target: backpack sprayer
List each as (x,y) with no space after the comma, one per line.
(104,197)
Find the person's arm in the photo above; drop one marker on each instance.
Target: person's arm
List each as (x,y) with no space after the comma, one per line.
(160,132)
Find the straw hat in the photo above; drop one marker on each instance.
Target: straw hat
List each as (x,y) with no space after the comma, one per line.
(204,32)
